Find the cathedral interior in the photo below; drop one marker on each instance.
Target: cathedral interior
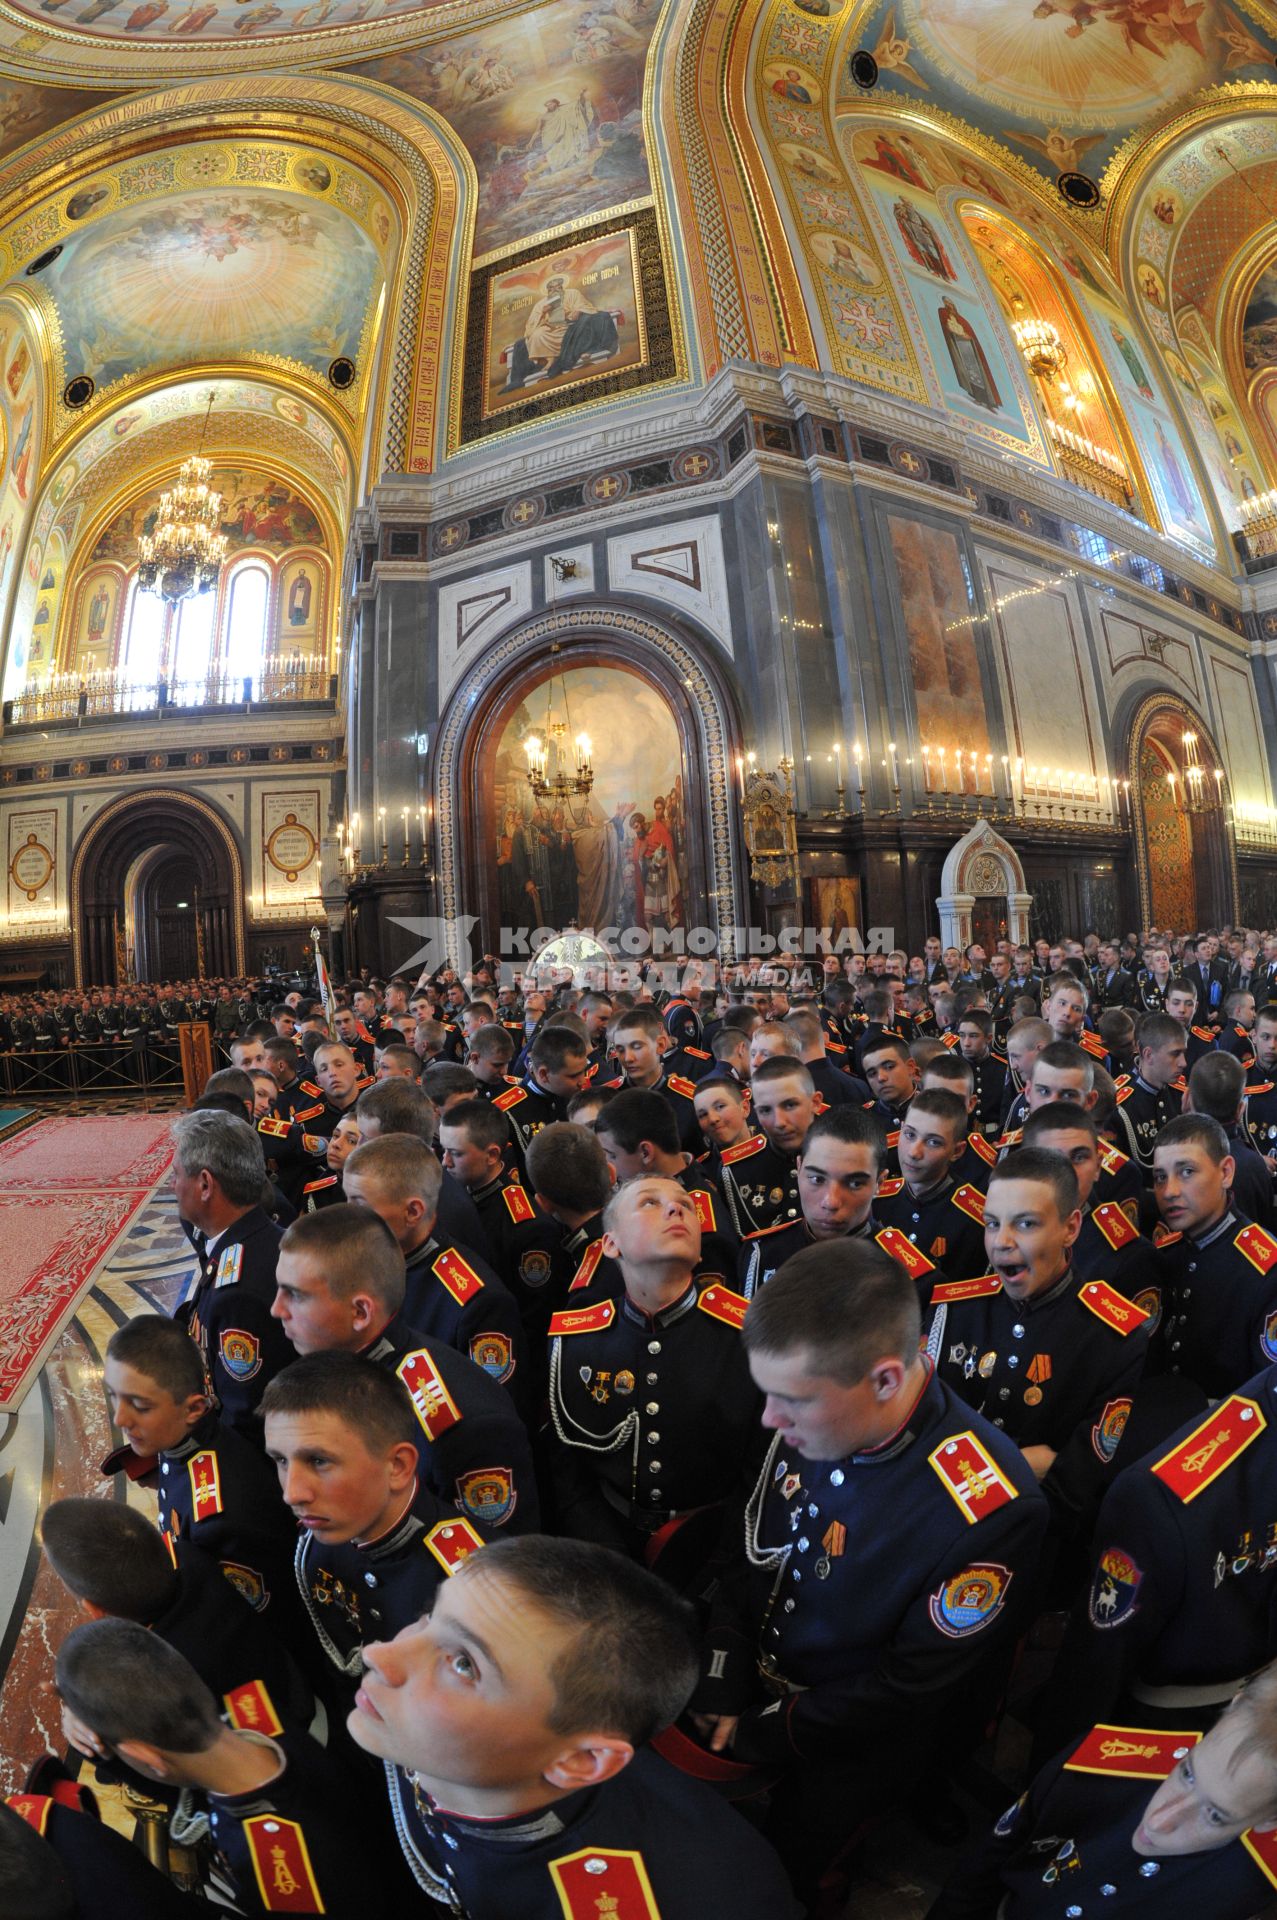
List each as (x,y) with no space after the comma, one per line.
(828,444)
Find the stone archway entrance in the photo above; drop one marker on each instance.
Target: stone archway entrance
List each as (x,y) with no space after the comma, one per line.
(157,891)
(1184,848)
(983,894)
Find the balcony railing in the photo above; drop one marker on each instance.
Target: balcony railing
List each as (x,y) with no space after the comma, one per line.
(66,699)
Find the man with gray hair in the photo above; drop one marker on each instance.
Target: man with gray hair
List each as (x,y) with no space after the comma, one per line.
(218,1171)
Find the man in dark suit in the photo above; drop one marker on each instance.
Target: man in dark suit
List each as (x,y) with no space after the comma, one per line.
(1210,977)
(1114,986)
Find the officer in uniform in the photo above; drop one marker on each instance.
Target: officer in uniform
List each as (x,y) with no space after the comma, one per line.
(651,1402)
(341,1288)
(289,1827)
(1108,1246)
(451,1294)
(212,1484)
(759,1177)
(339,1075)
(1050,1359)
(1134,1819)
(374,1544)
(940,1216)
(840,1641)
(975,1042)
(1218,1270)
(893,1079)
(838,1169)
(1157,1090)
(557,1069)
(1178,1607)
(218,1173)
(541,1797)
(949,1073)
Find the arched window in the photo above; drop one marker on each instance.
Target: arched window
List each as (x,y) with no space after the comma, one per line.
(246,622)
(193,642)
(144,637)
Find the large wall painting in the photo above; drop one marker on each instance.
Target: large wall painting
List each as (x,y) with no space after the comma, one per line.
(550,107)
(260,510)
(20,442)
(617,857)
(564,321)
(193,278)
(934,596)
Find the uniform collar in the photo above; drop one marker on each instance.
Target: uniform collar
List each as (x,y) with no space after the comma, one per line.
(1209,1239)
(1067,1280)
(896,1443)
(201,1435)
(391,1545)
(667,1315)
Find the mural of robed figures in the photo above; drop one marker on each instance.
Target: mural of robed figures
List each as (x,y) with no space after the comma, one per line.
(568,317)
(616,856)
(921,239)
(970,363)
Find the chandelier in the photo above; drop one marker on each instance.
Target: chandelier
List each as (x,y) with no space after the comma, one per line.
(555,770)
(1194,794)
(183,555)
(1042,347)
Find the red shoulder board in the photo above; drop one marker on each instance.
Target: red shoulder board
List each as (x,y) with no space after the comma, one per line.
(983,1148)
(698,1053)
(1114,1225)
(33,1808)
(274,1129)
(1162,1237)
(1133,1753)
(893,1139)
(457,1275)
(755,1144)
(976,1483)
(949,1292)
(309,1113)
(703,1200)
(1122,1096)
(281,1864)
(509,1099)
(1092,1042)
(1202,1033)
(820,1106)
(903,1251)
(585,1272)
(761,1233)
(206,1489)
(1259,1247)
(1112,1307)
(722,1304)
(1221,1438)
(604,1880)
(583,1319)
(1112,1159)
(518,1205)
(249,1708)
(834,1046)
(1262,1848)
(433,1405)
(1265,1087)
(969,1200)
(451,1542)
(677,1084)
(1011,1139)
(309,1086)
(318,1186)
(890,1188)
(950,1039)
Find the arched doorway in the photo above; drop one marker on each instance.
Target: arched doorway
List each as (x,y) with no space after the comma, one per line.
(1185,856)
(642,688)
(157,892)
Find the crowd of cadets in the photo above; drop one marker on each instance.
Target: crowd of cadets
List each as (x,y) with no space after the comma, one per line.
(614,1453)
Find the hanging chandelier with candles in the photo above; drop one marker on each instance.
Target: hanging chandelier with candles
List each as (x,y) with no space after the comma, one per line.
(1040,343)
(184,552)
(558,771)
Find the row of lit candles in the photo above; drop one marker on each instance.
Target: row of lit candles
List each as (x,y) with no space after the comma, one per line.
(538,754)
(1261,506)
(350,849)
(1078,443)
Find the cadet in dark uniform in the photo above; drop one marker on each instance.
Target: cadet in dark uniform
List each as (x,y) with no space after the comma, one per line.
(651,1402)
(1050,1359)
(943,1218)
(637,1038)
(557,1070)
(1218,1271)
(213,1485)
(639,1136)
(826,1061)
(1108,1246)
(837,1182)
(975,1042)
(527,1788)
(1217,1086)
(114,1561)
(288,1825)
(571,1183)
(1261,1090)
(373,1544)
(1157,1090)
(1139,1820)
(889,1068)
(219,1170)
(452,1295)
(340,1288)
(1179,1605)
(63,1863)
(843,1637)
(759,1179)
(473,1139)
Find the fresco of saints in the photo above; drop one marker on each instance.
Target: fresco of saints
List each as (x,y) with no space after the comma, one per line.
(1133,364)
(563,133)
(99,608)
(563,330)
(659,886)
(887,157)
(597,868)
(922,240)
(299,601)
(970,365)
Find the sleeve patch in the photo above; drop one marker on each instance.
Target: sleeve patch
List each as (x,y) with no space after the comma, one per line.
(240,1352)
(1109,1428)
(494,1352)
(968,1602)
(487,1495)
(1114,1594)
